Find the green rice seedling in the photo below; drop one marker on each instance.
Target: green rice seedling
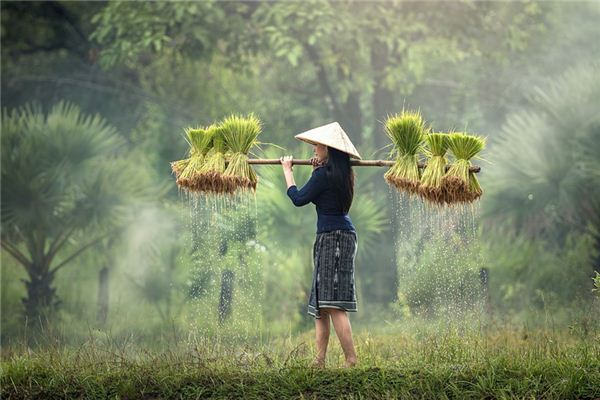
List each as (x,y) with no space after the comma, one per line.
(178,166)
(407,132)
(210,175)
(187,171)
(459,183)
(431,188)
(240,135)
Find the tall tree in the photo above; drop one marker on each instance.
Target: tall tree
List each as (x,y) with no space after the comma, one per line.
(361,57)
(66,185)
(376,54)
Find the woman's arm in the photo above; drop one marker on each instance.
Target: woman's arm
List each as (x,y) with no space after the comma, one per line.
(286,163)
(310,191)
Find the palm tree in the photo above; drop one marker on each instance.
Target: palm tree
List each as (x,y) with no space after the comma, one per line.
(545,178)
(66,185)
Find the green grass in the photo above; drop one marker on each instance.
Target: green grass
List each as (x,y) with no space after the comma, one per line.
(447,364)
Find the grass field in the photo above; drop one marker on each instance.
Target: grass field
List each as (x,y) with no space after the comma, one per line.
(507,363)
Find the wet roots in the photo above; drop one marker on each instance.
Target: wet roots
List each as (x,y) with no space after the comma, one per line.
(458,190)
(435,185)
(452,189)
(431,188)
(402,184)
(404,174)
(435,195)
(214,182)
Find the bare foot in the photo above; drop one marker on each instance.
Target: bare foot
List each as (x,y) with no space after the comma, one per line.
(318,363)
(351,362)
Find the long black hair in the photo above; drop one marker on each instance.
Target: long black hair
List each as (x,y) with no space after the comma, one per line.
(340,174)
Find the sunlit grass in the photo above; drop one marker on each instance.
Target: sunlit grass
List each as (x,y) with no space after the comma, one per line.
(442,362)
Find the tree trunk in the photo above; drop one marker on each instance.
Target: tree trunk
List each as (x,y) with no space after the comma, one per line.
(170,271)
(41,298)
(383,99)
(484,279)
(102,296)
(383,105)
(352,119)
(226,297)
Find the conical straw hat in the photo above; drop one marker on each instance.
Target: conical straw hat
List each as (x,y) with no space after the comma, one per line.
(331,135)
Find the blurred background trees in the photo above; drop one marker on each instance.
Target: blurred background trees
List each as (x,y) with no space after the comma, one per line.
(524,74)
(66,186)
(544,191)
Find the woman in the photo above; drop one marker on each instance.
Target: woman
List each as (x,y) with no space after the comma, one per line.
(331,189)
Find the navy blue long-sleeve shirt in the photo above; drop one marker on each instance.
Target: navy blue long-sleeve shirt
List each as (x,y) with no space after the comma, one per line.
(318,191)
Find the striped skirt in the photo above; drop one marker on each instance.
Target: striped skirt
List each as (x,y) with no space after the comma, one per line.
(333,272)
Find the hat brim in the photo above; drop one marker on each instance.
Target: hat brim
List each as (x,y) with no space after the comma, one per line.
(357,157)
(331,135)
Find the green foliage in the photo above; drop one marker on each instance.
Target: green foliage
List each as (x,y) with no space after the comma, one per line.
(351,53)
(66,185)
(42,161)
(544,178)
(129,30)
(528,274)
(544,186)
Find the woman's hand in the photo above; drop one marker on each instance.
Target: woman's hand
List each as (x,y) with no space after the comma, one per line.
(286,163)
(316,163)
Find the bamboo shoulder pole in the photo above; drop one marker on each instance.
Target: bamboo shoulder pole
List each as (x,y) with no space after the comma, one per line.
(354,163)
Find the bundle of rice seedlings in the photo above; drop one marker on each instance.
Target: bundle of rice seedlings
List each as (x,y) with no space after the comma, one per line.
(407,132)
(459,183)
(178,166)
(187,171)
(210,174)
(431,188)
(240,135)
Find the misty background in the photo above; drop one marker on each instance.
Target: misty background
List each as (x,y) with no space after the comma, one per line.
(97,238)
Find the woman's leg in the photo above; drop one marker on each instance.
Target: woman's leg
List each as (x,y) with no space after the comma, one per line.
(322,332)
(341,323)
